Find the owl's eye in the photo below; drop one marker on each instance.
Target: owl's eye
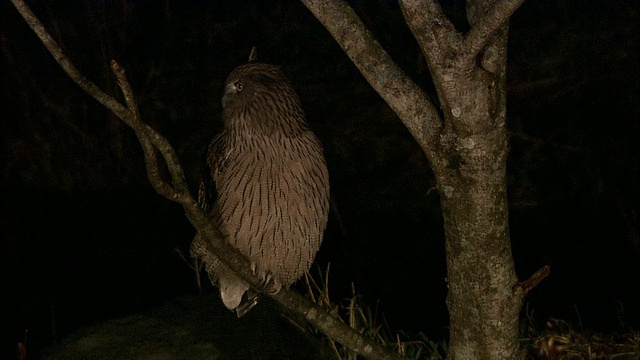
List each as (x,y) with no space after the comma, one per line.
(238,86)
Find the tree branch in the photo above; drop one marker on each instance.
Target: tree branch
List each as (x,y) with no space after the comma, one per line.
(442,45)
(435,33)
(179,192)
(522,288)
(439,41)
(487,25)
(405,97)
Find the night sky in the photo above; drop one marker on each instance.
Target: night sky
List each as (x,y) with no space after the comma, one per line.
(84,238)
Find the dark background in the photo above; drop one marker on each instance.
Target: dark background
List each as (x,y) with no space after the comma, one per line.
(84,238)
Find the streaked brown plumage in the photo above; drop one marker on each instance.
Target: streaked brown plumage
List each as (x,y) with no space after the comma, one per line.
(266,184)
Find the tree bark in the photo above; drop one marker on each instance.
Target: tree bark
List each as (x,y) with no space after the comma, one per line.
(467,148)
(471,177)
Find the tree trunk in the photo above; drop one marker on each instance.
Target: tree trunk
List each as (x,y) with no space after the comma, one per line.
(471,177)
(467,148)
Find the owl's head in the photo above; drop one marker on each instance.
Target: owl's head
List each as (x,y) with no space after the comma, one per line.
(260,94)
(247,82)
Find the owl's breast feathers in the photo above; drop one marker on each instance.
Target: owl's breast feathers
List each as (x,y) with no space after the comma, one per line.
(265,185)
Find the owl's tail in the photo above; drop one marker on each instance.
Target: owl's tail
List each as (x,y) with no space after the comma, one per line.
(236,293)
(232,288)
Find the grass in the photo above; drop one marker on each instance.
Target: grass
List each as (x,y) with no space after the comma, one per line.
(196,264)
(557,341)
(370,323)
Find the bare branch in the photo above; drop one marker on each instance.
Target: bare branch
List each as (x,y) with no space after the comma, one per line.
(443,46)
(407,99)
(151,161)
(522,288)
(487,25)
(436,35)
(179,192)
(439,41)
(150,139)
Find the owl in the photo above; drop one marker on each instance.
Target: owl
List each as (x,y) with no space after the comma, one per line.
(265,184)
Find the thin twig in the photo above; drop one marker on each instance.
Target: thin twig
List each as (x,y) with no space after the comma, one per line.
(523,287)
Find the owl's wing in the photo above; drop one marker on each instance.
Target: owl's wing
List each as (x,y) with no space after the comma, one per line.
(207,194)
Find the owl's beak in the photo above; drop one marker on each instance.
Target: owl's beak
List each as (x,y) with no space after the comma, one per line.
(228,90)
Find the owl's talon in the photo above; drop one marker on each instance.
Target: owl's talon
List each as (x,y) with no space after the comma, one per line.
(264,283)
(278,286)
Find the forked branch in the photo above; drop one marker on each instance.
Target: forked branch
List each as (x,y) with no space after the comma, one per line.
(487,25)
(404,96)
(178,191)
